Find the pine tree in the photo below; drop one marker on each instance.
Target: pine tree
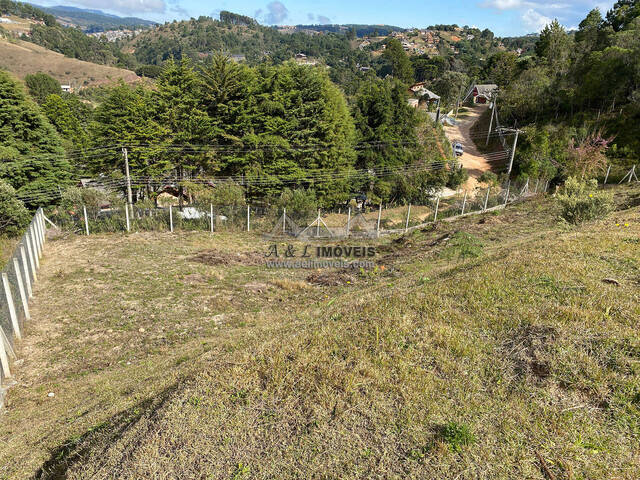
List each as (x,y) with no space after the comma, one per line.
(31,155)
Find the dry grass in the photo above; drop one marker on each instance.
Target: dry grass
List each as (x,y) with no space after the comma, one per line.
(23,58)
(442,365)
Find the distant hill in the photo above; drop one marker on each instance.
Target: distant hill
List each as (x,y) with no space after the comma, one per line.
(22,58)
(91,20)
(361,30)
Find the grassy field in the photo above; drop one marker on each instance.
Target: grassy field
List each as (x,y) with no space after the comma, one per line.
(498,346)
(22,58)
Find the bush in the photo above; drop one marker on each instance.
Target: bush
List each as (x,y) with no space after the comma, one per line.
(75,198)
(581,201)
(301,204)
(489,178)
(14,216)
(456,435)
(457,176)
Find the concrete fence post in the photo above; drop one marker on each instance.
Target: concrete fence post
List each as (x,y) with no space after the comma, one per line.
(379,217)
(211,218)
(171,218)
(32,262)
(86,220)
(4,359)
(284,220)
(318,225)
(25,270)
(21,289)
(464,202)
(34,246)
(606,177)
(506,196)
(486,200)
(348,221)
(406,224)
(435,215)
(248,218)
(12,308)
(126,214)
(36,230)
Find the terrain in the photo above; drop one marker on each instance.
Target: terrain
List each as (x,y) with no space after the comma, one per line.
(93,20)
(497,346)
(23,58)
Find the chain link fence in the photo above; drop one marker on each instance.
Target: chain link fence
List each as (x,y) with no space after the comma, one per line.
(18,277)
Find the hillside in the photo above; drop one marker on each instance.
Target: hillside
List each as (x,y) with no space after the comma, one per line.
(488,348)
(93,20)
(22,58)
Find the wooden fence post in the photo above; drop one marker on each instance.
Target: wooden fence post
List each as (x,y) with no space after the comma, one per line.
(25,270)
(23,296)
(12,308)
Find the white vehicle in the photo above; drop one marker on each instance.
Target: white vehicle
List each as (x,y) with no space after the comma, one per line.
(457,149)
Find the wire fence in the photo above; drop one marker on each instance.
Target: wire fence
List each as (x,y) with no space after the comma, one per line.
(18,277)
(304,223)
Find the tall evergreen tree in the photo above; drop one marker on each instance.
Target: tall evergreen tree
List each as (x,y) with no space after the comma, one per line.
(31,155)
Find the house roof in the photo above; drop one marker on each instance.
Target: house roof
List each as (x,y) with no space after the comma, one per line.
(423,92)
(487,89)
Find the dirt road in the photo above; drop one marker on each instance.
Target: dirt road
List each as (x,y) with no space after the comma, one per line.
(471,159)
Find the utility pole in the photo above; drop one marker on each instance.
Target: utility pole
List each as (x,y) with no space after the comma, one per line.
(126,169)
(515,143)
(493,111)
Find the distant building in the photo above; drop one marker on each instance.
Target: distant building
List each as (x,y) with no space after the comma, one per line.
(484,93)
(66,88)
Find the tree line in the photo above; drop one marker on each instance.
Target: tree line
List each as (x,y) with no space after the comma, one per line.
(289,126)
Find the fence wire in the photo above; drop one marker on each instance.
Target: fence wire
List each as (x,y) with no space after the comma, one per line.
(275,222)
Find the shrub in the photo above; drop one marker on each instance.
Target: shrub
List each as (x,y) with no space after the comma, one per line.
(301,204)
(581,201)
(93,199)
(489,178)
(456,177)
(13,214)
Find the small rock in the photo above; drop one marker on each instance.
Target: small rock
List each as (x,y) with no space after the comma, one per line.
(51,394)
(141,330)
(128,363)
(17,363)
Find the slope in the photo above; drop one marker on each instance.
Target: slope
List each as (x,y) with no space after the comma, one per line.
(484,346)
(22,58)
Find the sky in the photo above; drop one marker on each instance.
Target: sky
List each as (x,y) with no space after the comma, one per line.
(503,17)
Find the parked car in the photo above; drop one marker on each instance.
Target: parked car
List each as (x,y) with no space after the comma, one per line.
(457,149)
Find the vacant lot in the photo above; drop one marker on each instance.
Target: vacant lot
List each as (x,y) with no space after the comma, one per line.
(500,346)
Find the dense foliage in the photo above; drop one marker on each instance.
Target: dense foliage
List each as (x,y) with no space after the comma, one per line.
(574,89)
(31,153)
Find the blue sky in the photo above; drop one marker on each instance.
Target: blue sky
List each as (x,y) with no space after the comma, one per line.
(504,17)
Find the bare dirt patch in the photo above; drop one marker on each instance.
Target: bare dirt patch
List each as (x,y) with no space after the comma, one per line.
(217,257)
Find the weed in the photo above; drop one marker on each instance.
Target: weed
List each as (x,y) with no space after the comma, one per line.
(456,435)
